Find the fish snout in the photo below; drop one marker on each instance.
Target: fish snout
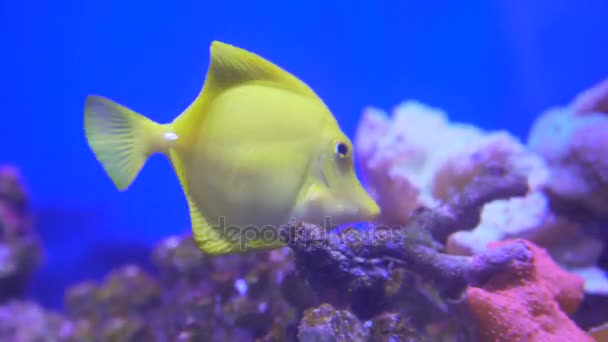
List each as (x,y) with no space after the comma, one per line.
(352,211)
(369,210)
(362,208)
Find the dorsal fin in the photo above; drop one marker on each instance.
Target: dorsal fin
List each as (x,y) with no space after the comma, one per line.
(231,66)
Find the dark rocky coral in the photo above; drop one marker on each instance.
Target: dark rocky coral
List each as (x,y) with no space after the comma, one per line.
(325,323)
(390,327)
(365,269)
(193,298)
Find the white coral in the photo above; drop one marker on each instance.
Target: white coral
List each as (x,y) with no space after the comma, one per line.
(463,165)
(528,217)
(399,155)
(576,149)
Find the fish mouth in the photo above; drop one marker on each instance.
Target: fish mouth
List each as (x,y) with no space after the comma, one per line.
(357,213)
(367,208)
(369,212)
(374,212)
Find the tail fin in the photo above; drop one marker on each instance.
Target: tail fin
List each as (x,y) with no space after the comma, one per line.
(121,139)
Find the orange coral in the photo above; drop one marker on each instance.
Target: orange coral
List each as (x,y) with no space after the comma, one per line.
(529,301)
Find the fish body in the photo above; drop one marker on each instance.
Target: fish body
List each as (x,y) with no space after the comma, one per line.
(256,149)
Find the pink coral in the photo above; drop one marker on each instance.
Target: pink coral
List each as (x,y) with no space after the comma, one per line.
(529,301)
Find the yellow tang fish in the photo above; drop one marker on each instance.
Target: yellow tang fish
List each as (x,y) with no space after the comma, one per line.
(257,149)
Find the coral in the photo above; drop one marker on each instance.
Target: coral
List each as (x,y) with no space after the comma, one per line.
(194,297)
(392,326)
(419,159)
(528,217)
(576,150)
(573,141)
(325,323)
(360,267)
(528,301)
(461,166)
(27,321)
(20,248)
(398,156)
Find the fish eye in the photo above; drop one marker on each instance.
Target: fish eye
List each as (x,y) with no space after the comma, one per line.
(341,149)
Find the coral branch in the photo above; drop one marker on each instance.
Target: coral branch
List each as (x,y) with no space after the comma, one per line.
(462,211)
(359,264)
